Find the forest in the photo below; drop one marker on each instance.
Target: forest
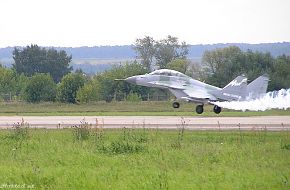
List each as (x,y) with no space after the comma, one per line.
(41,74)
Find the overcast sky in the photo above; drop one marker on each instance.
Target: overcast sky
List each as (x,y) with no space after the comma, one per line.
(120,22)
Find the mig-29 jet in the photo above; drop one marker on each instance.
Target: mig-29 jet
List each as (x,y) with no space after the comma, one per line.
(188,89)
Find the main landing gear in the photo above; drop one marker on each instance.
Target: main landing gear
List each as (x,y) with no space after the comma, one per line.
(199,109)
(217,109)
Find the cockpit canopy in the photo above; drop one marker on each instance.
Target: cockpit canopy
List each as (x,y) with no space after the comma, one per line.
(167,72)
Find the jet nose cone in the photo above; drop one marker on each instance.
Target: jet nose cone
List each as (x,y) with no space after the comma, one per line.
(131,80)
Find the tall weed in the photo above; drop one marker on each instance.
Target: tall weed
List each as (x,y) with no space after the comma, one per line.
(82,131)
(180,135)
(20,130)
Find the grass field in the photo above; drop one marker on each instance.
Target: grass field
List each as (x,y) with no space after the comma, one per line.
(82,158)
(120,108)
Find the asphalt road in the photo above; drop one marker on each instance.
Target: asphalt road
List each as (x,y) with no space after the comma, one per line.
(273,123)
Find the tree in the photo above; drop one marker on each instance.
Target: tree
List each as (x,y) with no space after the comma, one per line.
(68,87)
(89,92)
(11,83)
(21,83)
(222,65)
(7,81)
(110,88)
(104,87)
(40,87)
(280,78)
(256,64)
(181,65)
(57,64)
(163,51)
(169,49)
(145,49)
(34,59)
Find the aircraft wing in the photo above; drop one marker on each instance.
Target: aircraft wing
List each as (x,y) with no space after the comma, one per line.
(199,94)
(168,85)
(183,91)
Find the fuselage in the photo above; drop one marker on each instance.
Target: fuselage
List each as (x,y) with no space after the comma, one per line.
(186,88)
(177,83)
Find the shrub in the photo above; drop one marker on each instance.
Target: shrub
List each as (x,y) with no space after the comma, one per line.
(20,130)
(133,97)
(82,131)
(40,87)
(70,84)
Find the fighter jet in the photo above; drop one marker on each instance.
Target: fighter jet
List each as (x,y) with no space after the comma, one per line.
(188,89)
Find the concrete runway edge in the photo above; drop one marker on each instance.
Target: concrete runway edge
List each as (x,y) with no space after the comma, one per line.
(271,123)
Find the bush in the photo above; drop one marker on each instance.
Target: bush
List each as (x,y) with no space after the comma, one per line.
(70,84)
(133,97)
(20,130)
(82,131)
(40,87)
(124,147)
(89,92)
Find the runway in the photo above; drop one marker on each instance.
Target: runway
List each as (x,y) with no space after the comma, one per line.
(272,123)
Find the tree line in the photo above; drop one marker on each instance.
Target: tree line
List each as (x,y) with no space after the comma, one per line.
(40,74)
(222,65)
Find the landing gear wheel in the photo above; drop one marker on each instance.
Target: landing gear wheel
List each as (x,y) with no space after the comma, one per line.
(217,109)
(175,105)
(199,109)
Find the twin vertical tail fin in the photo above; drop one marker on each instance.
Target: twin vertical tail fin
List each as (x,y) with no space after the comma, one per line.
(239,90)
(235,90)
(258,87)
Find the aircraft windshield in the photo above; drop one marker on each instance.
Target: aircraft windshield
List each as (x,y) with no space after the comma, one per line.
(167,72)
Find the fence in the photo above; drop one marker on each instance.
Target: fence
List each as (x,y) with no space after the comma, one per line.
(148,97)
(9,97)
(6,97)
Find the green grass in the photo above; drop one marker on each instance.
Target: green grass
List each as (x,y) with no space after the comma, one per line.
(119,108)
(145,159)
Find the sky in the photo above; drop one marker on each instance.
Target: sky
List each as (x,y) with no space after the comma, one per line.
(74,23)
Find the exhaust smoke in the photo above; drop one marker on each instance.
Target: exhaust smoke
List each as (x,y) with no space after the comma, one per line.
(271,100)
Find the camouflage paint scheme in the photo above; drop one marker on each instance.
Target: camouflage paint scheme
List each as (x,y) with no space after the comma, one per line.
(186,88)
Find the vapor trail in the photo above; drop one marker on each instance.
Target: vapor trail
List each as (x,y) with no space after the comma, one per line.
(271,100)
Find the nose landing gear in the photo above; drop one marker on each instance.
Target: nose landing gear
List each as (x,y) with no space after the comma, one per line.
(175,105)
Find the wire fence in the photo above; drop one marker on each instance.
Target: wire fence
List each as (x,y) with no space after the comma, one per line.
(10,97)
(148,97)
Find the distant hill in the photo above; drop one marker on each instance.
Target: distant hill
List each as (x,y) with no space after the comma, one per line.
(275,49)
(127,52)
(99,57)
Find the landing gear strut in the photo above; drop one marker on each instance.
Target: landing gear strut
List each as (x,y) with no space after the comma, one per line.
(199,109)
(217,109)
(175,105)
